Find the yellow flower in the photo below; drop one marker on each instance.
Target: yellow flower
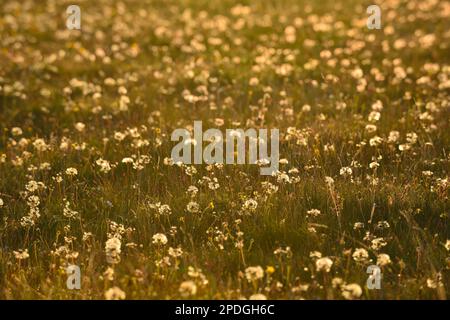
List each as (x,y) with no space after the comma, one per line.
(270,270)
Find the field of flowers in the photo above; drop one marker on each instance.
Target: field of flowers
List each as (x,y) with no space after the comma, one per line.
(86,177)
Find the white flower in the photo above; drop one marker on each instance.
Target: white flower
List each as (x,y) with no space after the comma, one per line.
(250,205)
(394,136)
(258,296)
(127,160)
(254,273)
(383,259)
(40,145)
(68,212)
(351,291)
(188,288)
(324,264)
(113,249)
(114,293)
(345,171)
(357,73)
(377,105)
(378,243)
(168,161)
(375,141)
(313,212)
(374,116)
(315,255)
(21,254)
(71,171)
(16,131)
(192,191)
(447,244)
(79,126)
(371,128)
(360,255)
(159,238)
(104,165)
(193,207)
(175,252)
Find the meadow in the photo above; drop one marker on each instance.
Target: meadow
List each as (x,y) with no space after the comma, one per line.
(86,177)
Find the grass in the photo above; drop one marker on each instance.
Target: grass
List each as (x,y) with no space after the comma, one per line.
(372,103)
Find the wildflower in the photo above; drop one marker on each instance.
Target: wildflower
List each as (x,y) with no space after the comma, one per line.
(40,145)
(374,116)
(253,82)
(370,128)
(68,212)
(110,82)
(258,296)
(190,170)
(360,255)
(21,254)
(87,236)
(434,283)
(1,202)
(188,288)
(16,131)
(404,147)
(162,209)
(114,293)
(71,171)
(383,259)
(345,171)
(32,186)
(306,108)
(168,161)
(377,105)
(269,188)
(104,165)
(375,141)
(358,225)
(315,255)
(193,207)
(427,173)
(119,136)
(351,291)
(313,212)
(109,274)
(79,126)
(282,177)
(192,191)
(270,270)
(378,243)
(324,264)
(394,136)
(113,250)
(411,137)
(254,273)
(383,225)
(447,245)
(175,252)
(337,282)
(250,205)
(357,73)
(159,239)
(127,160)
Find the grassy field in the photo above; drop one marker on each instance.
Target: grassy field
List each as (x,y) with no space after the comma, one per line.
(85,172)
